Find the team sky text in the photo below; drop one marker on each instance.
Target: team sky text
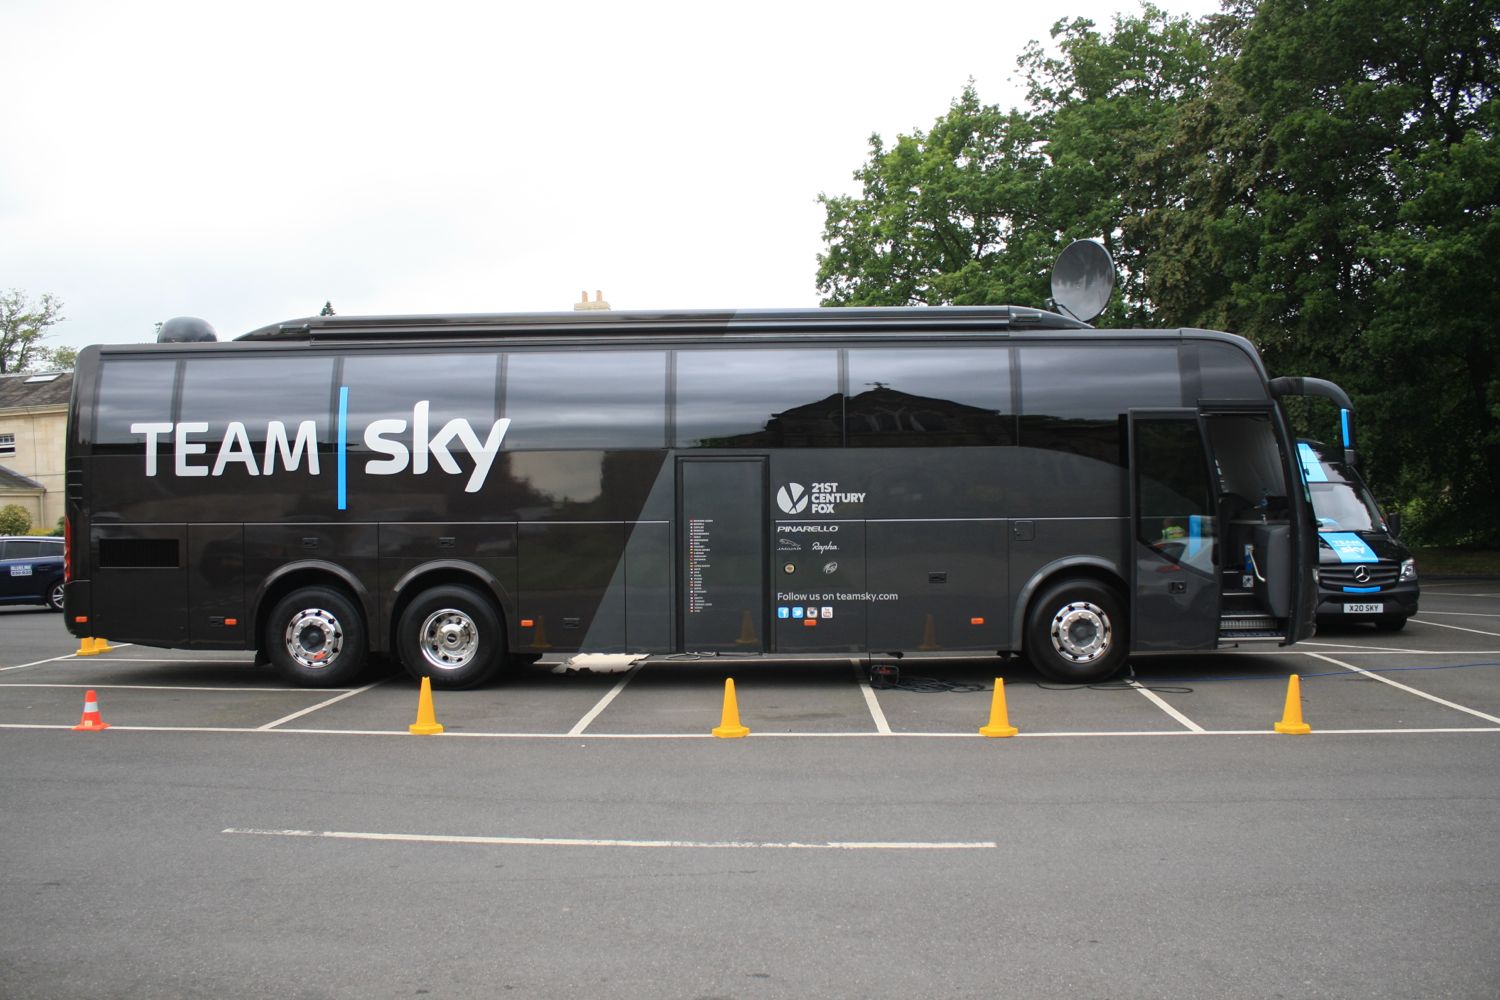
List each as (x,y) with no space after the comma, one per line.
(292,449)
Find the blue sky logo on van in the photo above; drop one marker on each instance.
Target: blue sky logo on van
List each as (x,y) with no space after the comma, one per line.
(397,445)
(1349,547)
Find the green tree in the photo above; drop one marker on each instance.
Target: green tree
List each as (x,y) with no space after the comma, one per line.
(327,309)
(23,325)
(14,520)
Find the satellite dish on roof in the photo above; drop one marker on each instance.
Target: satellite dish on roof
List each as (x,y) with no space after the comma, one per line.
(186,330)
(1083,279)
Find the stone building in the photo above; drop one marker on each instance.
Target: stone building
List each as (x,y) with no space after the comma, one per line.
(33,428)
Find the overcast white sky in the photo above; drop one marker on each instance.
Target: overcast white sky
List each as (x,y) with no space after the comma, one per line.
(244,163)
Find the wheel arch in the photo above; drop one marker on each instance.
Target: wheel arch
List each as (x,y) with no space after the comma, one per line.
(1071,568)
(313,573)
(443,573)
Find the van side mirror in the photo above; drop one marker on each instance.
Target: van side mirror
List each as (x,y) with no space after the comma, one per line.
(1393,523)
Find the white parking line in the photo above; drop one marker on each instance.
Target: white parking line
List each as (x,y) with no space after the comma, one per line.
(1460,614)
(322,704)
(876,712)
(1456,628)
(1397,684)
(1160,703)
(37,663)
(160,687)
(614,692)
(432,838)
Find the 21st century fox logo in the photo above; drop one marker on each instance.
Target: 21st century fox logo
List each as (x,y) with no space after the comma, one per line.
(820,498)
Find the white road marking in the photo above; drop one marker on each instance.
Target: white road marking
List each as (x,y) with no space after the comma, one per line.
(322,704)
(1397,684)
(37,663)
(429,838)
(1456,628)
(1160,703)
(1460,614)
(876,712)
(614,692)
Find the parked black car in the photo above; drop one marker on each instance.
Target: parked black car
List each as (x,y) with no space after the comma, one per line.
(1365,573)
(31,571)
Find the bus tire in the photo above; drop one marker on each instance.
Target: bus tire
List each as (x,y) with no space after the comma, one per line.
(453,635)
(315,637)
(1075,632)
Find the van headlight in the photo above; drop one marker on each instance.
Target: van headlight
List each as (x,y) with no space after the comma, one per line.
(1408,570)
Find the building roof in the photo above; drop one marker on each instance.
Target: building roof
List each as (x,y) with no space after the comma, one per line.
(26,389)
(12,481)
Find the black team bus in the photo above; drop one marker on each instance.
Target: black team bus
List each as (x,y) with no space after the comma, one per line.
(464,491)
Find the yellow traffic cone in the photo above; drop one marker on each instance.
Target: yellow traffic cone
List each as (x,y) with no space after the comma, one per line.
(999,726)
(427,723)
(929,637)
(86,647)
(1291,717)
(729,726)
(747,632)
(103,646)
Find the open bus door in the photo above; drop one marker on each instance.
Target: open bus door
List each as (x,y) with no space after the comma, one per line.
(1174,538)
(1217,543)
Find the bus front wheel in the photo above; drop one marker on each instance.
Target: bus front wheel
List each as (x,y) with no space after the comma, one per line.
(451,634)
(316,637)
(1075,632)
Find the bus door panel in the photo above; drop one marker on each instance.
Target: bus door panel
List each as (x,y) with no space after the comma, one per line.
(1256,497)
(821,599)
(938,584)
(216,586)
(140,583)
(721,568)
(571,586)
(1174,544)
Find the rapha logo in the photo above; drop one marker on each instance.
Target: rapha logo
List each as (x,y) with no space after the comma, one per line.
(792,498)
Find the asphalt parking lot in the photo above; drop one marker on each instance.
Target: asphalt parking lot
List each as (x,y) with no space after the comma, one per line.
(579,830)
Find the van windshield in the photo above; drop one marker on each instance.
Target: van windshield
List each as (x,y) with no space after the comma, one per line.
(1340,498)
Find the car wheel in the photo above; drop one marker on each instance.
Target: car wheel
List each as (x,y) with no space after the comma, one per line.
(316,637)
(1075,632)
(1390,623)
(55,596)
(453,635)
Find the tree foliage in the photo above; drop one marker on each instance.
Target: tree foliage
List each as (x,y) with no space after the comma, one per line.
(1321,176)
(23,325)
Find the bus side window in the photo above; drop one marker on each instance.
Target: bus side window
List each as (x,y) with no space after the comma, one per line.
(925,396)
(752,398)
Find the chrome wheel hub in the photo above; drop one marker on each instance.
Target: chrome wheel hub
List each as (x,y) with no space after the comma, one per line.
(314,638)
(449,639)
(1081,632)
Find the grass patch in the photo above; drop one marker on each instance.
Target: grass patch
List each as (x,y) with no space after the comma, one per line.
(1452,561)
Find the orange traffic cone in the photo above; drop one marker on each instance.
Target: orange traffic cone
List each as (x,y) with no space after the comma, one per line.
(427,723)
(999,725)
(729,726)
(1291,716)
(91,721)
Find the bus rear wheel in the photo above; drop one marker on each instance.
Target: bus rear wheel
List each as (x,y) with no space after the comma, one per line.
(316,637)
(451,634)
(1075,632)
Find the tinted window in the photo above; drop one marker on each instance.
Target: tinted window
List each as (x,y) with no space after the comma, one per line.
(256,391)
(1073,398)
(390,387)
(759,399)
(1172,483)
(945,396)
(132,392)
(614,399)
(26,548)
(1228,373)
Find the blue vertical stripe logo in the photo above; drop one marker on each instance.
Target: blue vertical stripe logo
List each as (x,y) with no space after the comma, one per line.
(343,446)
